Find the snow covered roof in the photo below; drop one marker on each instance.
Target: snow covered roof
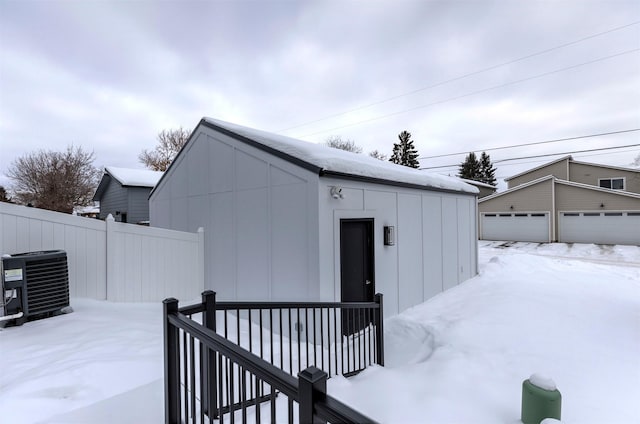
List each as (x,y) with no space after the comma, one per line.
(134,177)
(335,162)
(127,177)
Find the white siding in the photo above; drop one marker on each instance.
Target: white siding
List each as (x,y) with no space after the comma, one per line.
(435,245)
(272,229)
(259,213)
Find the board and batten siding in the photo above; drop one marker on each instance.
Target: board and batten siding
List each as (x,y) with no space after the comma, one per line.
(113,199)
(138,204)
(590,174)
(259,213)
(435,248)
(557,169)
(534,198)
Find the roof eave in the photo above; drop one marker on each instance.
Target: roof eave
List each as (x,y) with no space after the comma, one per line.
(373,180)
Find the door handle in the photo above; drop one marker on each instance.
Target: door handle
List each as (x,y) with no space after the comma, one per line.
(367,282)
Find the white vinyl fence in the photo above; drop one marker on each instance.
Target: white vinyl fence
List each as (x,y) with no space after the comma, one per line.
(107,259)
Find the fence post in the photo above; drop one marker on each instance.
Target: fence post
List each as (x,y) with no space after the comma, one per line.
(312,386)
(209,383)
(379,331)
(171,364)
(111,289)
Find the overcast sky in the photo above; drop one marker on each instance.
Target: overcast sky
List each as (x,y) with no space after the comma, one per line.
(110,75)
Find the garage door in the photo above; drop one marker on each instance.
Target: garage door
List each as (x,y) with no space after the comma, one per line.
(599,227)
(515,226)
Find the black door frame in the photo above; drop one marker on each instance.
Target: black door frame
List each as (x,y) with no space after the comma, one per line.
(354,320)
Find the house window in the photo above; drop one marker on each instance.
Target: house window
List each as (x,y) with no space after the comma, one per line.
(613,183)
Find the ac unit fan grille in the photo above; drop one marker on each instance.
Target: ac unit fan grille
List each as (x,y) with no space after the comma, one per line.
(47,285)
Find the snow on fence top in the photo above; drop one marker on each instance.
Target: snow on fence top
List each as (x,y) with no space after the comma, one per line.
(329,159)
(134,177)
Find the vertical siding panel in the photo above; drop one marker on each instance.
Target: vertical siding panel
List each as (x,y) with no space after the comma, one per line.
(432,244)
(449,243)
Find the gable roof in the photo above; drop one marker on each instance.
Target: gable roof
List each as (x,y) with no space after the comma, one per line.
(563,182)
(516,188)
(539,167)
(328,161)
(570,158)
(127,177)
(134,177)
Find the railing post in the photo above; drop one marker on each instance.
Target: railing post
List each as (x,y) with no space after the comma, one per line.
(171,364)
(312,386)
(379,331)
(209,379)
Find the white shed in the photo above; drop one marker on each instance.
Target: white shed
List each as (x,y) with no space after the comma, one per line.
(288,220)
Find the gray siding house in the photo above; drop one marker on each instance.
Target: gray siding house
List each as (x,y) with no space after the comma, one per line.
(124,193)
(566,201)
(287,220)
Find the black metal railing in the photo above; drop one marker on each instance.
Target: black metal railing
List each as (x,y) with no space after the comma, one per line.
(245,371)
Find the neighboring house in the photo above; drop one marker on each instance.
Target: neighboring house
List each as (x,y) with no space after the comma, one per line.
(483,188)
(124,193)
(285,219)
(566,201)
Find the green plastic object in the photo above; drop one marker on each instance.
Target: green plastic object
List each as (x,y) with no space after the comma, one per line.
(538,403)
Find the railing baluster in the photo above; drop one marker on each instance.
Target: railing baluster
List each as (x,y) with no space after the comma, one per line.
(213,384)
(290,340)
(306,333)
(192,375)
(298,332)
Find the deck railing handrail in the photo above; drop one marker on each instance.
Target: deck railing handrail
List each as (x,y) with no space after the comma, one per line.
(204,374)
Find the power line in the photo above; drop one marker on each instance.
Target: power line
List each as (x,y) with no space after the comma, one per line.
(490,68)
(541,156)
(484,90)
(534,143)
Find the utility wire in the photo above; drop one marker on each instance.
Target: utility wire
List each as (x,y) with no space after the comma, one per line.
(473,93)
(540,156)
(534,143)
(480,71)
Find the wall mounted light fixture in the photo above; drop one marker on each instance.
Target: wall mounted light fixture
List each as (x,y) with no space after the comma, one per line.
(511,207)
(602,205)
(336,192)
(389,235)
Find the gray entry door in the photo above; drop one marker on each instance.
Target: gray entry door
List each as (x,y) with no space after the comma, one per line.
(356,271)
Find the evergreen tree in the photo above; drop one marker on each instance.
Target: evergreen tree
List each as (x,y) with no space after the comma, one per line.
(404,152)
(470,168)
(487,170)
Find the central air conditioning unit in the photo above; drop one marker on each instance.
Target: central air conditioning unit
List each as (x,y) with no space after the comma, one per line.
(34,285)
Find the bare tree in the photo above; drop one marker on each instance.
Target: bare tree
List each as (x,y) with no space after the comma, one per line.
(337,142)
(378,155)
(636,162)
(169,144)
(57,181)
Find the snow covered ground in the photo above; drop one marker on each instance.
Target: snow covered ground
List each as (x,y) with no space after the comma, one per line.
(571,312)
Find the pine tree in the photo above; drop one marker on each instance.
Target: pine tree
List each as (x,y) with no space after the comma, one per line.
(404,152)
(470,168)
(487,170)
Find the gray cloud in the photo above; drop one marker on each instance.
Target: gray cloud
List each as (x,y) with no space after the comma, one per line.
(110,75)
